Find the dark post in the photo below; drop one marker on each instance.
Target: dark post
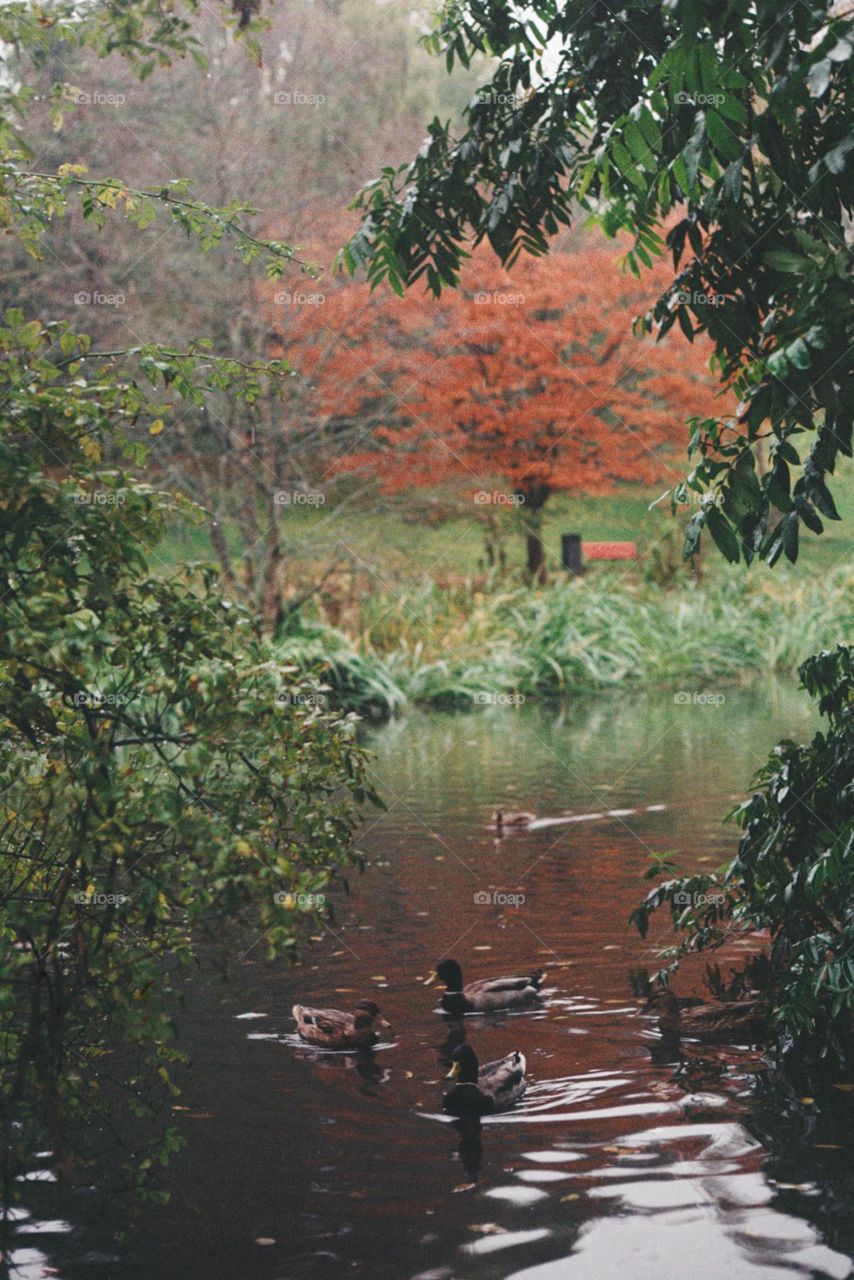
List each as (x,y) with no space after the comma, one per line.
(570,553)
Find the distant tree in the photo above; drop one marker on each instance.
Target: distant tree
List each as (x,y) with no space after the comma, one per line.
(531,376)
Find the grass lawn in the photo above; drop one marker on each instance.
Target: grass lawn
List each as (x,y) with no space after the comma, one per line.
(391,549)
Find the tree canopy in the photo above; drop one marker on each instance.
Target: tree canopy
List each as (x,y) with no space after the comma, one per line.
(531,378)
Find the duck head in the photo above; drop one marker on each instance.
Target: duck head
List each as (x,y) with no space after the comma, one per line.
(449,973)
(464,1065)
(668,1006)
(367,1016)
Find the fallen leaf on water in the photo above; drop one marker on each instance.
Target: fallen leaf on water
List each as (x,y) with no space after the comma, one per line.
(378,977)
(828,1146)
(487,1228)
(343,991)
(358,1195)
(846,1088)
(807,1102)
(463,1186)
(572,1196)
(264,1240)
(409,1074)
(481,948)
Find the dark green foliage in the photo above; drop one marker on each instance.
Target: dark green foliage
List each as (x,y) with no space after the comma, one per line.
(165,777)
(793,874)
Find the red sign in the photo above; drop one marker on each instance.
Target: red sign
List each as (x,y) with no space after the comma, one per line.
(609,550)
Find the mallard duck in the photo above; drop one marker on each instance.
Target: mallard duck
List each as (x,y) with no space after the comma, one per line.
(332,1029)
(732,1019)
(488,994)
(501,818)
(484,1090)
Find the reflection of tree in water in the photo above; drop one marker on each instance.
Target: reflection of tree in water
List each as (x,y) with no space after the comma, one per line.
(806,1124)
(76,1110)
(801,1113)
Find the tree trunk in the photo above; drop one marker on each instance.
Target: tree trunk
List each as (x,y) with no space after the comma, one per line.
(533,498)
(536,555)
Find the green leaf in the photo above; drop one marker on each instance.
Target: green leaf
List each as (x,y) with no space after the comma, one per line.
(724,537)
(785,260)
(723,139)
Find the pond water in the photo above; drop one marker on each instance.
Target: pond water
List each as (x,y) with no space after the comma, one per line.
(621,1158)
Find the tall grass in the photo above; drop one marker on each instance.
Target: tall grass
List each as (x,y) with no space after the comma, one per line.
(463,647)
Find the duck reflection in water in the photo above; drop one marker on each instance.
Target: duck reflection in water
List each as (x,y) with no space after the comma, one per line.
(365,1062)
(470,1148)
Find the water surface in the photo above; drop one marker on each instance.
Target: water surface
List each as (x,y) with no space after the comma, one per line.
(619,1161)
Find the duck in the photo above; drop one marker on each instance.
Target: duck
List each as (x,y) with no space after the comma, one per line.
(732,1019)
(332,1029)
(483,1091)
(501,818)
(487,995)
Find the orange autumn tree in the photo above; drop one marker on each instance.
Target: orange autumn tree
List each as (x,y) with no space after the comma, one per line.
(532,376)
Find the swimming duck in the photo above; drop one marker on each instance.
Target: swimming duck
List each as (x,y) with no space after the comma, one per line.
(732,1019)
(332,1029)
(486,995)
(501,819)
(482,1091)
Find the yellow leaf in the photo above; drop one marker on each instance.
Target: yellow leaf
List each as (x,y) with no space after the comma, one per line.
(90,449)
(156,427)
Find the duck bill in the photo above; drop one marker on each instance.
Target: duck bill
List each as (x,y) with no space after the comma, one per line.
(454,1072)
(428,981)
